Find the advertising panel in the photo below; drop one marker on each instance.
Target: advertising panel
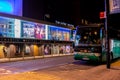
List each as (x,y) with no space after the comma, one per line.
(114,6)
(39,31)
(67,49)
(29,50)
(47,49)
(58,33)
(73,35)
(33,30)
(27,30)
(6,27)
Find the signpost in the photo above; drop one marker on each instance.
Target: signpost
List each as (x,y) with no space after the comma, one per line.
(111,7)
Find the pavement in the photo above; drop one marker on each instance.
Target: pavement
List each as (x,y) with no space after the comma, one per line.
(62,72)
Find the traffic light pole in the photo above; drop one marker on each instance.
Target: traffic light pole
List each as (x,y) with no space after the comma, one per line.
(107,36)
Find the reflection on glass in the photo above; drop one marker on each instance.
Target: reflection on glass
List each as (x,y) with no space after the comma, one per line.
(88,49)
(57,33)
(67,49)
(89,35)
(47,49)
(6,27)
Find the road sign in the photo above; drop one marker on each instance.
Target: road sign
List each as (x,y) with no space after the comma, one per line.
(102,15)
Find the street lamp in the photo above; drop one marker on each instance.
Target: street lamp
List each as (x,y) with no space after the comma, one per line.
(107,34)
(46,16)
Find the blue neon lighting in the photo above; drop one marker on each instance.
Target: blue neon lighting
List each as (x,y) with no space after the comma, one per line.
(59,28)
(6,7)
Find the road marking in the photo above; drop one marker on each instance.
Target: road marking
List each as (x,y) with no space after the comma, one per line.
(5,71)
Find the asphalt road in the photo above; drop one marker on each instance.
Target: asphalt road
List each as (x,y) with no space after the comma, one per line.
(59,68)
(63,63)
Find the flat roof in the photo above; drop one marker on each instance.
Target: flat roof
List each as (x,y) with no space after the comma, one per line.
(32,20)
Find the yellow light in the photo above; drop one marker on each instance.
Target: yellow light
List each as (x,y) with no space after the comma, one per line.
(85,37)
(95,33)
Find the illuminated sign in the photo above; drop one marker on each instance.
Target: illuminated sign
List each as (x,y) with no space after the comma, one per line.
(6,29)
(27,29)
(5,6)
(63,23)
(102,15)
(39,31)
(58,33)
(11,7)
(17,28)
(114,6)
(33,30)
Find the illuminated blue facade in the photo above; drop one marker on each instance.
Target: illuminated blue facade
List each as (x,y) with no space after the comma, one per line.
(6,7)
(13,7)
(17,28)
(58,33)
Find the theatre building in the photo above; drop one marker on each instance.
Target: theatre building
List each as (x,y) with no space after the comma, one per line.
(24,38)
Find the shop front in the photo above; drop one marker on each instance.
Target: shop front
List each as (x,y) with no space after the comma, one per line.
(23,39)
(22,49)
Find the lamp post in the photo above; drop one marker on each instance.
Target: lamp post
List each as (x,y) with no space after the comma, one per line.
(46,17)
(107,35)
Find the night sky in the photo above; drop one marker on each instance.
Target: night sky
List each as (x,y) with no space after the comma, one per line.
(64,10)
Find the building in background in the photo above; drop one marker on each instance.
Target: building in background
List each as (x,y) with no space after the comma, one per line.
(13,7)
(25,38)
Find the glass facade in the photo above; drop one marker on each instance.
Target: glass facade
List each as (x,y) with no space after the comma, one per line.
(25,29)
(22,39)
(6,27)
(58,33)
(115,47)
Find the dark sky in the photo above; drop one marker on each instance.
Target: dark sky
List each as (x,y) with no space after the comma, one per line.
(64,10)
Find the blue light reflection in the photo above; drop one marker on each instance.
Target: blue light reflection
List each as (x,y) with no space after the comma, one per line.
(6,7)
